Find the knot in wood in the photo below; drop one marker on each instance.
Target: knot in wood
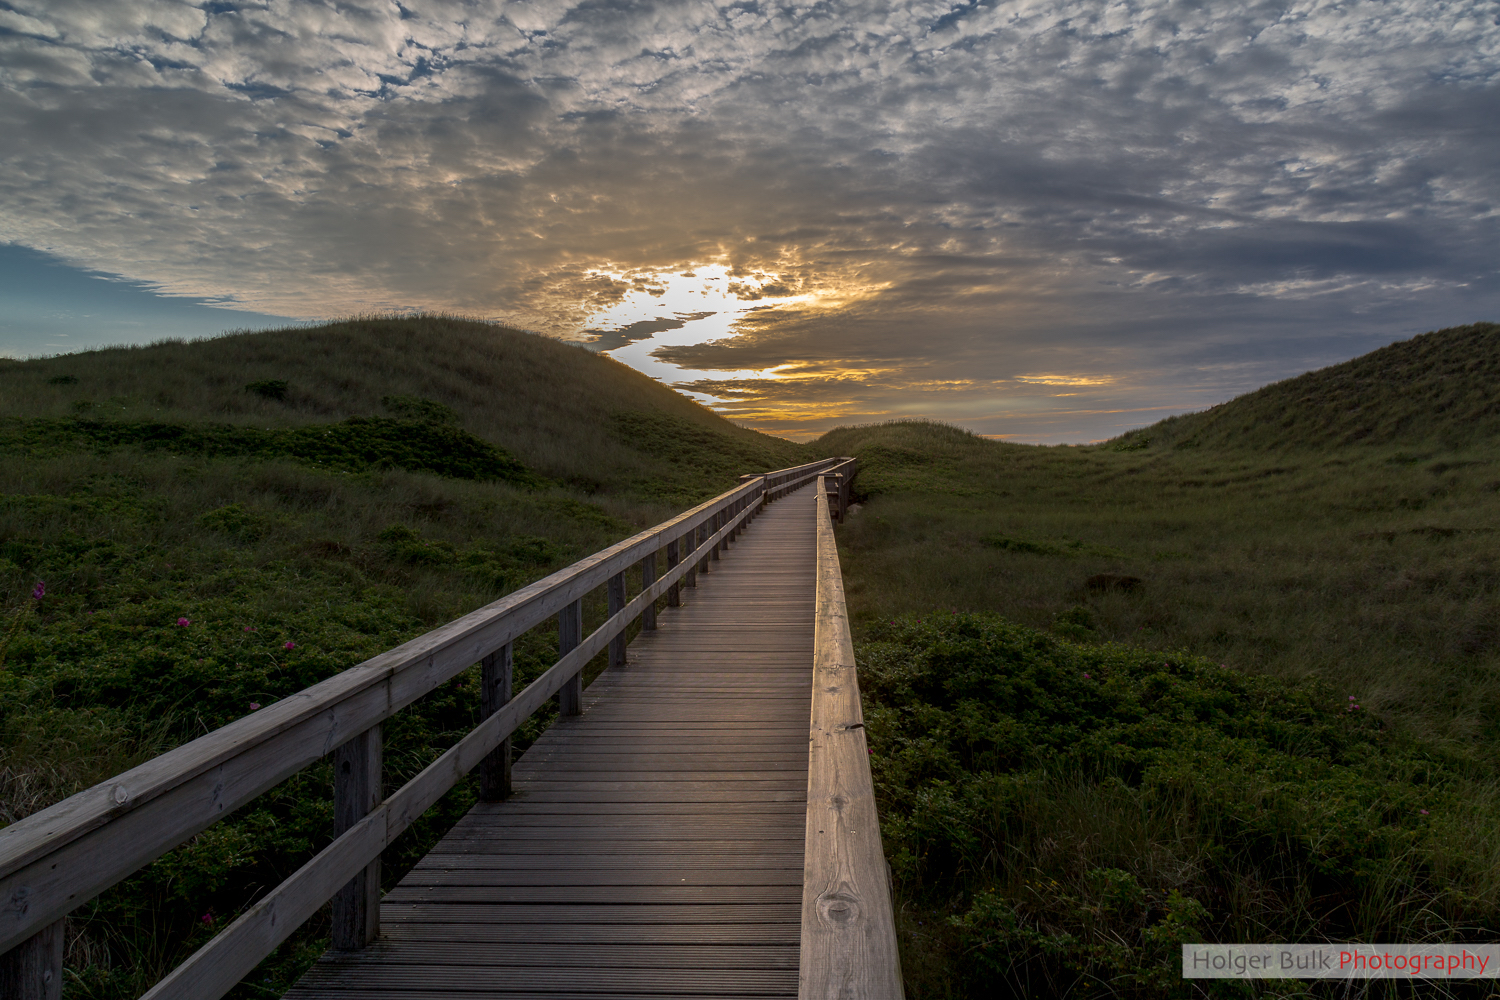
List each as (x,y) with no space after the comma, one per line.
(120,795)
(839,907)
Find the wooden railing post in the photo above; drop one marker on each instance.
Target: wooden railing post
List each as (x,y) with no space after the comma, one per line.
(33,969)
(674,592)
(615,594)
(719,520)
(699,538)
(356,791)
(648,577)
(569,638)
(496,680)
(690,542)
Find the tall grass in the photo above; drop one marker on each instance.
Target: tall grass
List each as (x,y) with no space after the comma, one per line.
(1369,567)
(557,407)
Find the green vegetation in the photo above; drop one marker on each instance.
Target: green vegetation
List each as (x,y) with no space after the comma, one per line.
(352,445)
(197,550)
(1209,779)
(1230,677)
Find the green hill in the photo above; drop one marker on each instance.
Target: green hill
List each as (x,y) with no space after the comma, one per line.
(1438,390)
(564,412)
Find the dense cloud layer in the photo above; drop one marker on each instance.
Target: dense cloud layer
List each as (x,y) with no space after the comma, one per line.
(1164,202)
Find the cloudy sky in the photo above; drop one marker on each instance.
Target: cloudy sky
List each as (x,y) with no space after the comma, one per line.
(1047,220)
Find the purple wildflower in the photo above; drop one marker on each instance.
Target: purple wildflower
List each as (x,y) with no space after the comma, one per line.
(183,621)
(289,644)
(39,591)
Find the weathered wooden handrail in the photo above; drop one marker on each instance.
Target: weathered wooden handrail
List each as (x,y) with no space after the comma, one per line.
(59,858)
(839,492)
(784,481)
(848,923)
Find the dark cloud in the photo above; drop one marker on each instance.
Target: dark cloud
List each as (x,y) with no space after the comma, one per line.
(609,340)
(1187,198)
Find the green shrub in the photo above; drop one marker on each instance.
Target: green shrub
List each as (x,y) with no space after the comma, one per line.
(1075,812)
(421,410)
(271,388)
(353,445)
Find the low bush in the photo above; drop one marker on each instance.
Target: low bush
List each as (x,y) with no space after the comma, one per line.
(353,445)
(1060,817)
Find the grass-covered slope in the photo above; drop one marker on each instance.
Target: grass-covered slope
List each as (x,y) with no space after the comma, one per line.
(1439,390)
(177,551)
(1127,695)
(562,411)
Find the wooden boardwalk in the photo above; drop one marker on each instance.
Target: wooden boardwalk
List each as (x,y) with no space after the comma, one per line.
(654,844)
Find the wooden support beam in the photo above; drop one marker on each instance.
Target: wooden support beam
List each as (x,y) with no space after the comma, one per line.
(33,970)
(615,595)
(569,637)
(356,791)
(690,544)
(648,577)
(496,681)
(674,592)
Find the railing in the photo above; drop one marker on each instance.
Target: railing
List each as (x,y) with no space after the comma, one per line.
(837,487)
(60,858)
(848,922)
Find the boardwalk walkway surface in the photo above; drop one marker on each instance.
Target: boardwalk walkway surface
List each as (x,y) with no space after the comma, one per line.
(654,844)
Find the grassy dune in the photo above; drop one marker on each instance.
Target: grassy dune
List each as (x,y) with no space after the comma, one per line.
(206,549)
(571,415)
(1076,778)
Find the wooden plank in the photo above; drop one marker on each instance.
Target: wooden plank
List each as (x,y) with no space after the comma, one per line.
(496,677)
(356,791)
(623,861)
(447,980)
(674,594)
(34,970)
(648,577)
(627,913)
(506,994)
(549,878)
(688,933)
(848,925)
(631,895)
(638,956)
(615,602)
(569,638)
